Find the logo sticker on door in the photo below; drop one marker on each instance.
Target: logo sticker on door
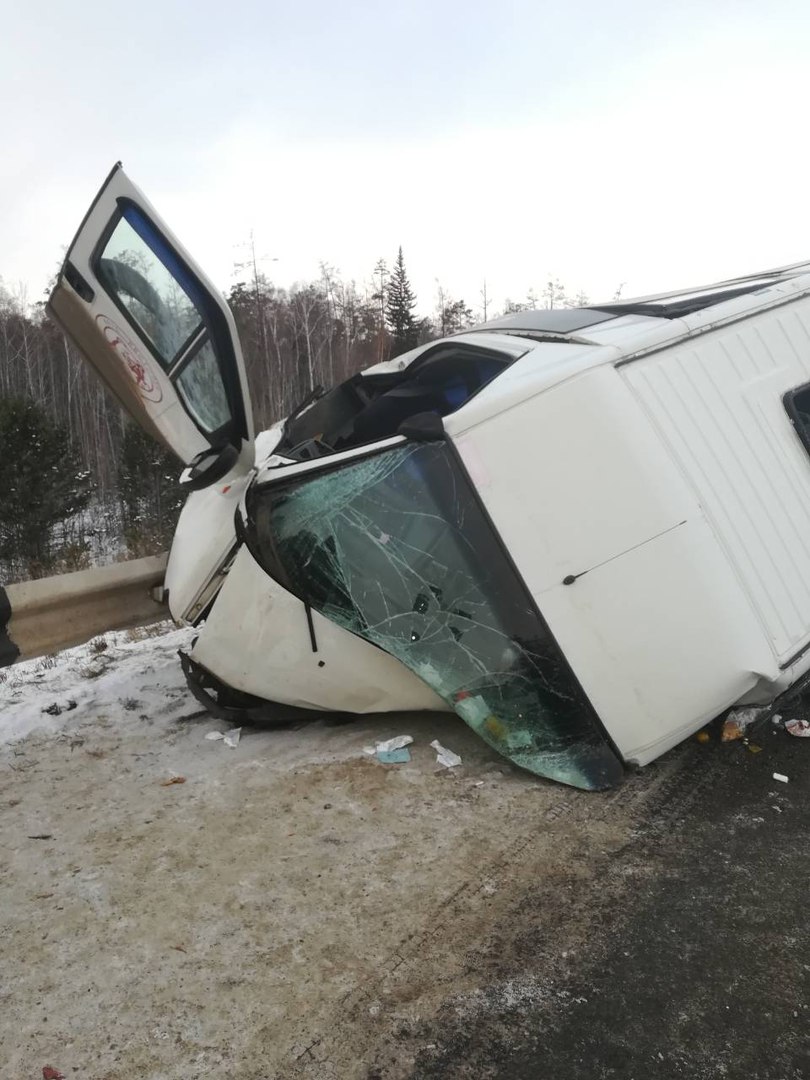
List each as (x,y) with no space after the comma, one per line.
(138,367)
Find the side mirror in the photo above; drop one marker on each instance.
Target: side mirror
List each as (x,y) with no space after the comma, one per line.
(209,466)
(423,427)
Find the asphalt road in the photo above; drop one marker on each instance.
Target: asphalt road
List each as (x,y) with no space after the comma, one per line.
(700,970)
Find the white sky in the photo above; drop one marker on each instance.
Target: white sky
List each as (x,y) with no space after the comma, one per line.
(654,145)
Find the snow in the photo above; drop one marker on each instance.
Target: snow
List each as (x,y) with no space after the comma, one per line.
(131,674)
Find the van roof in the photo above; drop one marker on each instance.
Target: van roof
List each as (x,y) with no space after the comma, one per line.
(564,322)
(564,342)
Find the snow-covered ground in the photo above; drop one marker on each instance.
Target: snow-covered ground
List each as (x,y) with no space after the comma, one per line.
(176,908)
(129,672)
(172,908)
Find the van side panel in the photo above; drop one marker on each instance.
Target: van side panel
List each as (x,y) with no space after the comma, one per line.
(717,403)
(654,623)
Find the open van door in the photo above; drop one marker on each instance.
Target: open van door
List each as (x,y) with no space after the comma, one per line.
(158,332)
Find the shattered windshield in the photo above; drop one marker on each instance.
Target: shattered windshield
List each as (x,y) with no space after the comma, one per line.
(396,549)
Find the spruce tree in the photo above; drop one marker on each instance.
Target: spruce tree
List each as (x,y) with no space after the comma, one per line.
(399,308)
(41,481)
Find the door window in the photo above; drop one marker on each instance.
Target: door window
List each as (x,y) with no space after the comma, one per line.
(199,385)
(166,305)
(143,285)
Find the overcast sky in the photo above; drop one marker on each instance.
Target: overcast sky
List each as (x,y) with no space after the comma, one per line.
(654,145)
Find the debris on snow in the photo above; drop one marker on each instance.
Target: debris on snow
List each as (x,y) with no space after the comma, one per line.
(391,751)
(55,709)
(394,757)
(230,738)
(731,731)
(397,743)
(738,720)
(141,670)
(444,756)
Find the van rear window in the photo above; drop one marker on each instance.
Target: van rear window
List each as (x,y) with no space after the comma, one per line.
(797,404)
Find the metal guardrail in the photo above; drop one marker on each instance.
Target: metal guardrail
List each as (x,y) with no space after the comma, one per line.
(39,617)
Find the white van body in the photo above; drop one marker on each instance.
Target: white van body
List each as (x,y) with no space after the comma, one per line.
(636,460)
(682,497)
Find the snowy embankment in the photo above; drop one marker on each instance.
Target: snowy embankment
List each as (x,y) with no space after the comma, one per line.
(126,672)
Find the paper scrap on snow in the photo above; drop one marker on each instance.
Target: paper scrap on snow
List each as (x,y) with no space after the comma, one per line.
(391,751)
(230,738)
(444,756)
(396,743)
(799,728)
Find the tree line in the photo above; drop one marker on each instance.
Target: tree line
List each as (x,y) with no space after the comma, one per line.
(78,478)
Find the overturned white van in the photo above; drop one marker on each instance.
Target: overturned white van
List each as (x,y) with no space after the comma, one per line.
(586,531)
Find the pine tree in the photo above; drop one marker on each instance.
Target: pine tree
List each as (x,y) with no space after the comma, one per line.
(41,481)
(399,308)
(452,316)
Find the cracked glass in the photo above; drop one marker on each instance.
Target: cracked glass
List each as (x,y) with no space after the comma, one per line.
(396,549)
